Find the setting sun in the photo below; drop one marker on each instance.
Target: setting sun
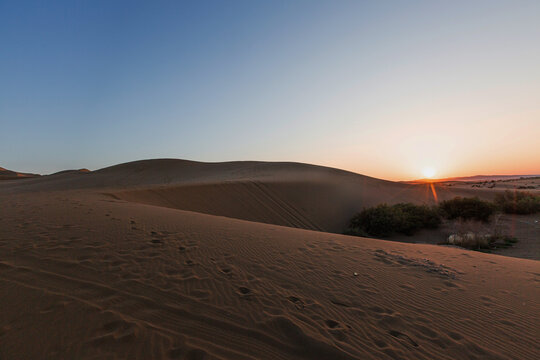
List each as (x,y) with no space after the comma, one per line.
(429,172)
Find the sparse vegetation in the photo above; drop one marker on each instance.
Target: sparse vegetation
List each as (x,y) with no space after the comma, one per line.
(470,240)
(467,209)
(476,241)
(489,184)
(384,220)
(407,218)
(518,202)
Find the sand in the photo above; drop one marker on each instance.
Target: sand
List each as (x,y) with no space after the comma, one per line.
(108,265)
(6,174)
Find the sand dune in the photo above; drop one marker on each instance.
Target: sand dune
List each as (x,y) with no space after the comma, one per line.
(290,194)
(86,275)
(6,174)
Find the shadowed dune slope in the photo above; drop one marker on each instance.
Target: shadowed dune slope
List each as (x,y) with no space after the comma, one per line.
(290,194)
(326,204)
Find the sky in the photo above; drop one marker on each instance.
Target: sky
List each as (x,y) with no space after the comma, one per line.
(382,88)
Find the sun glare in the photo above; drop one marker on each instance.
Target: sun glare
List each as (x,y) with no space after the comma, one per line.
(429,172)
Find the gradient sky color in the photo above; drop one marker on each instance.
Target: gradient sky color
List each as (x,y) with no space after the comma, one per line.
(382,88)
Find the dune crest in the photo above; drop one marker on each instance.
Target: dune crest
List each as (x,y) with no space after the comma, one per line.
(282,193)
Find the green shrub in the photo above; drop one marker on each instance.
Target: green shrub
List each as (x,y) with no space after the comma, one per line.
(355,231)
(411,218)
(467,209)
(518,202)
(375,221)
(384,220)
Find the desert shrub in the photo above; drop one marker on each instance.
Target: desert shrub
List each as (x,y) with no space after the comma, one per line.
(355,231)
(375,221)
(411,218)
(467,209)
(518,202)
(384,220)
(503,241)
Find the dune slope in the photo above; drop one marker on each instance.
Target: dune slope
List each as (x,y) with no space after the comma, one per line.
(103,265)
(86,276)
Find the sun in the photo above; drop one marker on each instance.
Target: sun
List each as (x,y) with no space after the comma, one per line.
(429,172)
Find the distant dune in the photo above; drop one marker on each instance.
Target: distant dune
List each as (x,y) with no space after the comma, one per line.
(473,178)
(130,262)
(83,170)
(13,175)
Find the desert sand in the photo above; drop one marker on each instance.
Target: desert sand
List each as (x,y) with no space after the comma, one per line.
(6,174)
(172,259)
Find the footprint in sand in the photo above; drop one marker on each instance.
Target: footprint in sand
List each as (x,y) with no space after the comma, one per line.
(297,302)
(226,271)
(245,292)
(455,336)
(403,336)
(332,324)
(337,331)
(407,286)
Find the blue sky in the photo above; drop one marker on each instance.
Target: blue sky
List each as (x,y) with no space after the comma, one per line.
(380,88)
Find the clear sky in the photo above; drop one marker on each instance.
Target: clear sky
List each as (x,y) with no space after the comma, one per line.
(383,88)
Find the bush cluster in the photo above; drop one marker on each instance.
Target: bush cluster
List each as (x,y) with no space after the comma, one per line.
(384,220)
(518,202)
(467,209)
(406,218)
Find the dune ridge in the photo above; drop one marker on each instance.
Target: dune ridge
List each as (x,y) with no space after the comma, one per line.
(282,193)
(6,174)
